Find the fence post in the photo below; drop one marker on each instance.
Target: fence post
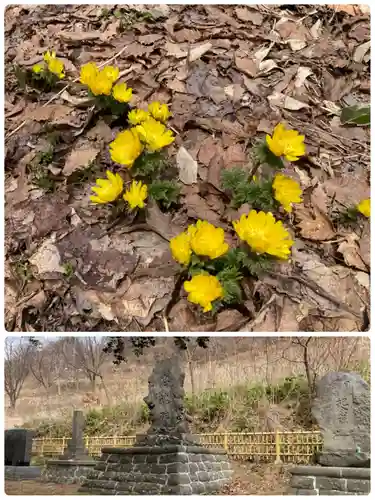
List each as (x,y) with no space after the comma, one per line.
(278,447)
(42,447)
(225,442)
(63,444)
(87,444)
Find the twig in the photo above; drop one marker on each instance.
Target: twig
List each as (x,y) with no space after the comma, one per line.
(63,90)
(165,321)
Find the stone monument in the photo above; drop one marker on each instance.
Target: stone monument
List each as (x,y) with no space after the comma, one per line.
(342,411)
(17,455)
(18,445)
(73,465)
(167,459)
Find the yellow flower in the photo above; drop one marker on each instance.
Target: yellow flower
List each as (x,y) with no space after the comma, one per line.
(38,68)
(208,240)
(122,93)
(137,116)
(136,195)
(154,134)
(365,207)
(180,248)
(107,190)
(89,71)
(159,111)
(126,148)
(47,56)
(286,143)
(100,85)
(56,67)
(110,72)
(203,289)
(287,191)
(263,234)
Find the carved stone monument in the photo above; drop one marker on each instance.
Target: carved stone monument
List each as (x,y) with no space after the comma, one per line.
(165,401)
(342,411)
(73,465)
(167,459)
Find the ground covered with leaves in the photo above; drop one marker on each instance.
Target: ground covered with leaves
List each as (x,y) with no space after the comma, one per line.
(229,75)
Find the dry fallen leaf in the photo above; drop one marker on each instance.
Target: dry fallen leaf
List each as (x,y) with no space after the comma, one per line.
(187,166)
(350,250)
(246,65)
(246,15)
(209,148)
(293,104)
(314,223)
(80,158)
(176,50)
(361,51)
(51,112)
(77,101)
(77,37)
(302,73)
(197,52)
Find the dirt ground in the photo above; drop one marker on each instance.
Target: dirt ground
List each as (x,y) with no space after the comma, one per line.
(249,479)
(229,74)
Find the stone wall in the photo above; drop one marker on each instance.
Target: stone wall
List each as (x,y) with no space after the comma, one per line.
(66,472)
(318,480)
(178,470)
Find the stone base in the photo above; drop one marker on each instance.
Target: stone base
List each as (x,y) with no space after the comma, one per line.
(14,472)
(316,480)
(158,470)
(67,471)
(344,458)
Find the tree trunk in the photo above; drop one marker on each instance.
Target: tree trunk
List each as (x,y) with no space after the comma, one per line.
(12,401)
(93,382)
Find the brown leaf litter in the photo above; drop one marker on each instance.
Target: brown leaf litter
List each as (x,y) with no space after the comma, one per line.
(229,74)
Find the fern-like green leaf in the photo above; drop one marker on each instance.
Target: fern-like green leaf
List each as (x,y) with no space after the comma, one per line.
(164,191)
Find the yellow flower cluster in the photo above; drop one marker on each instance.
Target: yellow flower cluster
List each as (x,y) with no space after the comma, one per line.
(365,207)
(147,133)
(286,191)
(136,195)
(287,143)
(54,65)
(203,289)
(100,82)
(126,148)
(154,134)
(202,238)
(263,234)
(108,190)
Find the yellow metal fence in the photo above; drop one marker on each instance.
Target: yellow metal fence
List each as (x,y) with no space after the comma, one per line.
(279,446)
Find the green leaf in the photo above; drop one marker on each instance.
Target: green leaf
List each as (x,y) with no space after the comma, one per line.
(258,193)
(148,165)
(233,178)
(257,264)
(230,278)
(164,191)
(356,115)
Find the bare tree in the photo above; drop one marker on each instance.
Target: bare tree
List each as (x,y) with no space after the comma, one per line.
(47,365)
(17,354)
(86,354)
